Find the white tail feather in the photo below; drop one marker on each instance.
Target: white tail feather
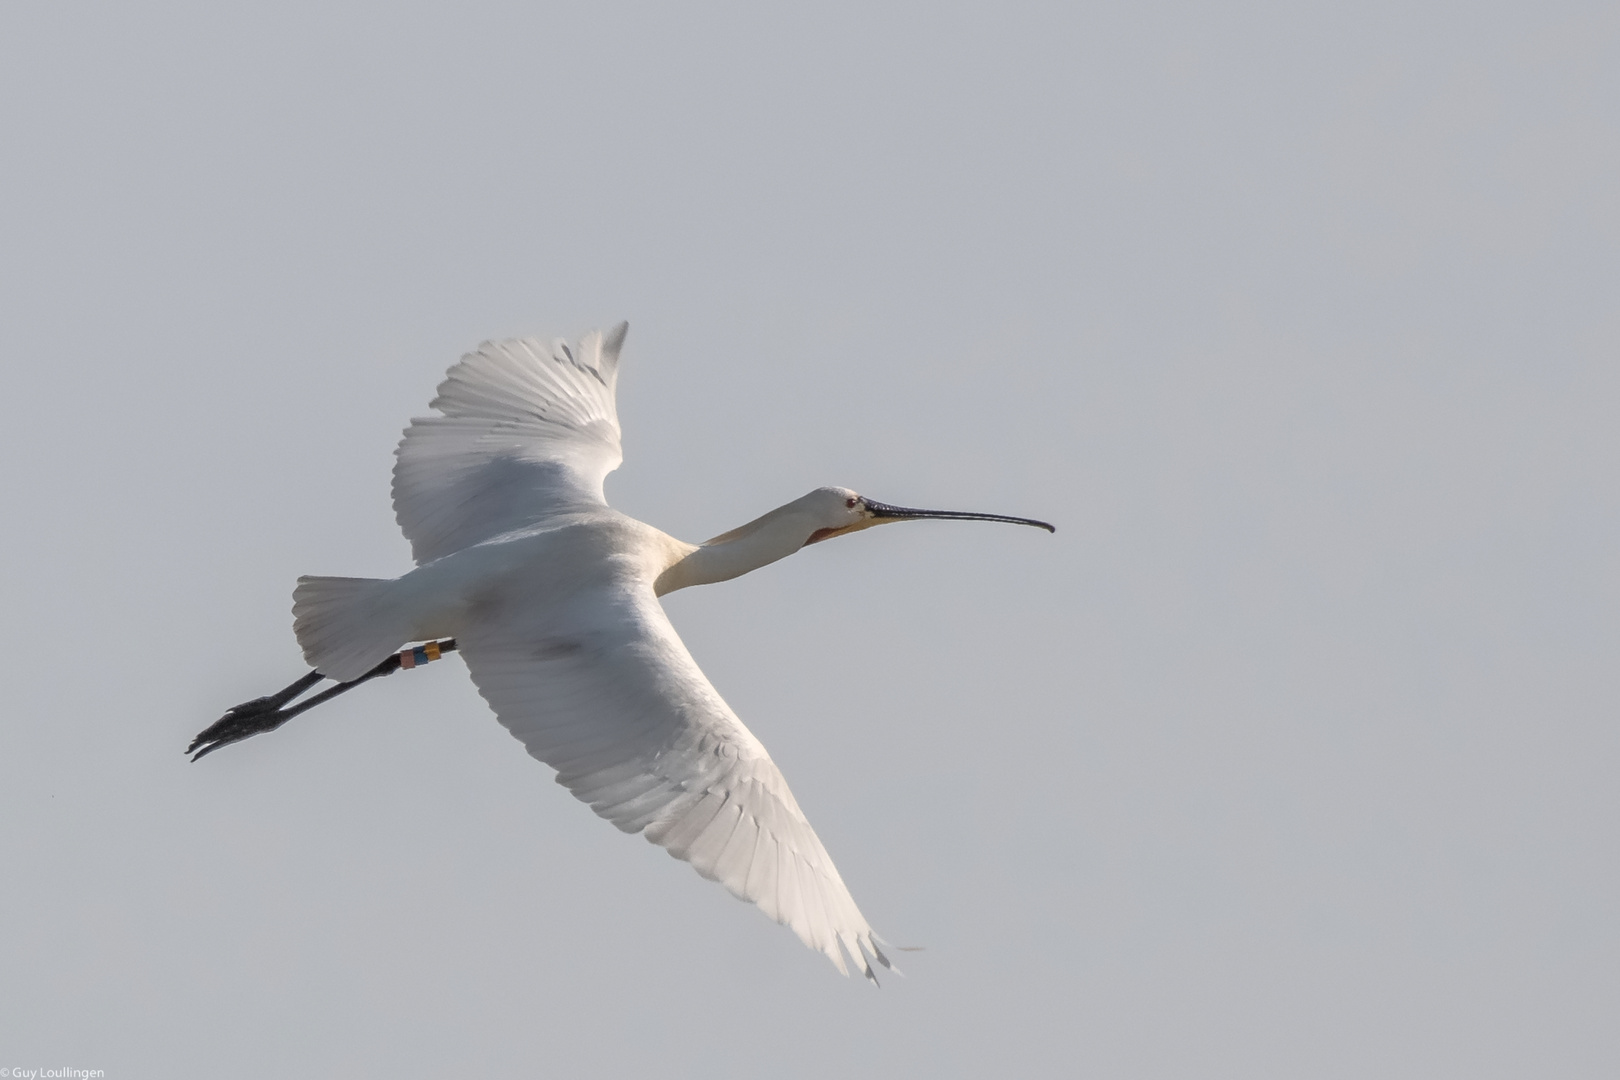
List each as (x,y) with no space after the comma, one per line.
(344,624)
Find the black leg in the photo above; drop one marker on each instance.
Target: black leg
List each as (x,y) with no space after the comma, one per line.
(267,713)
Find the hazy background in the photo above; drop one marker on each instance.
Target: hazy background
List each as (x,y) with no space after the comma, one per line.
(1292,754)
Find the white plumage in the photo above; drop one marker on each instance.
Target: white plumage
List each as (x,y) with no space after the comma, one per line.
(527,430)
(552,596)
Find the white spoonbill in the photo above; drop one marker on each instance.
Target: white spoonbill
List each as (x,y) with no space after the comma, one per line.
(552,597)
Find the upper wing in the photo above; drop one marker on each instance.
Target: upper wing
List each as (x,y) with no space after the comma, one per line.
(601,688)
(528,429)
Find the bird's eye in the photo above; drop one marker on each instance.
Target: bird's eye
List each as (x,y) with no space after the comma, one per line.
(851,501)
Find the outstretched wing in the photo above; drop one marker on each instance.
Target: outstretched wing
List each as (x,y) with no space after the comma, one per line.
(600,688)
(528,430)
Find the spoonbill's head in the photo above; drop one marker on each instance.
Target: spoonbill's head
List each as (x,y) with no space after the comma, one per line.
(839,510)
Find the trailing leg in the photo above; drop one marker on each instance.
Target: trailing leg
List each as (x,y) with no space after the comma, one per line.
(268,713)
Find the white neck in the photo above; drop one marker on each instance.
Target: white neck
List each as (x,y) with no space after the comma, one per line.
(759,543)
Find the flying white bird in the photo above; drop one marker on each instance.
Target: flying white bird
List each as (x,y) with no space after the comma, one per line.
(552,597)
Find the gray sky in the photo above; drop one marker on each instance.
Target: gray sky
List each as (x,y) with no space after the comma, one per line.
(1292,754)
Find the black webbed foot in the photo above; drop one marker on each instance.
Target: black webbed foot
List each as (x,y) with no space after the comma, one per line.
(249,718)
